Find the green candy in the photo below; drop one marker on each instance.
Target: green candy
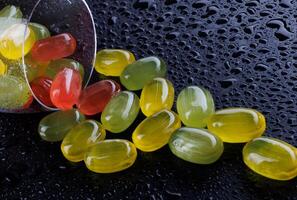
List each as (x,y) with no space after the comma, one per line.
(196,145)
(11,11)
(55,126)
(194,106)
(14,92)
(120,112)
(136,75)
(41,32)
(56,66)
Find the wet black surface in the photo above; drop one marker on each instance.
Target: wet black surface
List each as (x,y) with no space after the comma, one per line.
(243,51)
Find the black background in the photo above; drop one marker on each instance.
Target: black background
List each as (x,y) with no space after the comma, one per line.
(244,52)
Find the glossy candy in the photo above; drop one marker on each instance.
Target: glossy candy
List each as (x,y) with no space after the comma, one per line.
(112,62)
(194,106)
(196,145)
(120,112)
(66,88)
(3,68)
(58,65)
(12,39)
(136,75)
(95,97)
(41,89)
(80,137)
(56,125)
(271,158)
(11,11)
(157,95)
(14,92)
(53,48)
(155,131)
(237,125)
(110,156)
(41,32)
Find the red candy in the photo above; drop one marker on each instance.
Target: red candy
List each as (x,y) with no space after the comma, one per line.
(28,103)
(53,48)
(66,88)
(95,97)
(41,88)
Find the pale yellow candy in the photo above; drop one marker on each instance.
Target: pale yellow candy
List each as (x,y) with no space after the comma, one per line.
(3,68)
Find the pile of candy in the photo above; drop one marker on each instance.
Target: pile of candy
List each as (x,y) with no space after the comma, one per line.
(84,139)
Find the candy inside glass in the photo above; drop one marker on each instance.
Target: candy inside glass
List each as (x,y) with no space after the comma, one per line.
(60,16)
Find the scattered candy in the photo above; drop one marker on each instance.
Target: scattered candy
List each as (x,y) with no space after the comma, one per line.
(110,156)
(41,88)
(120,112)
(136,75)
(41,32)
(237,125)
(156,96)
(95,97)
(55,126)
(155,131)
(194,106)
(80,137)
(271,158)
(196,145)
(112,62)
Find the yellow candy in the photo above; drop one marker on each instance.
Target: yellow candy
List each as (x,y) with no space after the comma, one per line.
(110,156)
(3,68)
(80,137)
(12,39)
(112,62)
(157,95)
(237,125)
(155,131)
(271,158)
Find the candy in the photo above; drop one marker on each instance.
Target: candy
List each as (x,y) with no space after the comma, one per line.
(112,62)
(157,95)
(12,39)
(56,125)
(3,68)
(54,48)
(110,156)
(120,112)
(237,125)
(155,131)
(58,65)
(194,106)
(196,145)
(95,97)
(271,158)
(11,11)
(66,88)
(41,32)
(136,75)
(80,137)
(14,92)
(41,89)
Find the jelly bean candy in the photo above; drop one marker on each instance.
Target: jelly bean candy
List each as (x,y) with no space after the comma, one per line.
(80,137)
(120,112)
(58,65)
(237,125)
(136,75)
(28,103)
(271,158)
(66,88)
(11,11)
(55,126)
(109,156)
(3,68)
(54,48)
(41,32)
(14,92)
(155,131)
(12,39)
(196,145)
(112,62)
(194,106)
(156,96)
(41,89)
(95,97)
